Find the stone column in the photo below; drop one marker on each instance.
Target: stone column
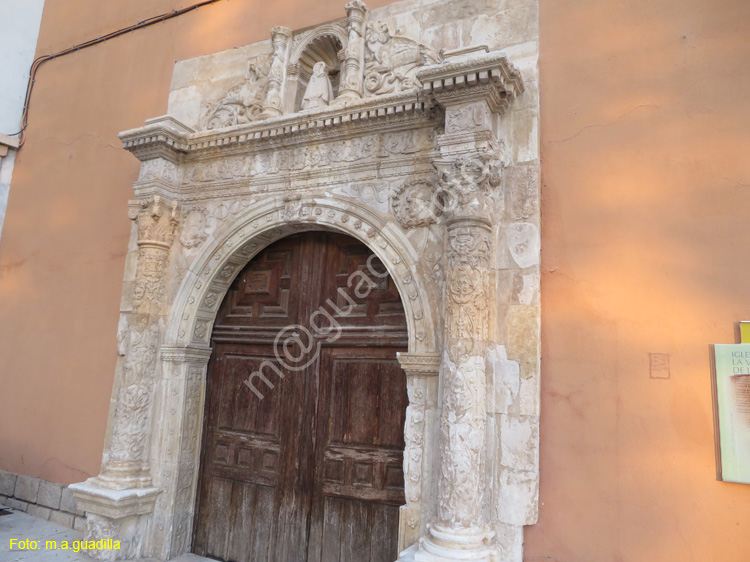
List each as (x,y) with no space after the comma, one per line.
(123,491)
(461,530)
(422,387)
(351,82)
(127,463)
(272,107)
(475,91)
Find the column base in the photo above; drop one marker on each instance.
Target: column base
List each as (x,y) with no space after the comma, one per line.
(347,95)
(116,520)
(122,475)
(445,545)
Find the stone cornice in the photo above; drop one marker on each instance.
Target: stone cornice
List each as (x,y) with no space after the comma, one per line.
(162,137)
(490,77)
(167,138)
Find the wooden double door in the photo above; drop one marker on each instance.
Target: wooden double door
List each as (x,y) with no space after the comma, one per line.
(312,471)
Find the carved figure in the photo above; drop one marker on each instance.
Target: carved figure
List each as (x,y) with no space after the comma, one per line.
(391,60)
(319,92)
(244,102)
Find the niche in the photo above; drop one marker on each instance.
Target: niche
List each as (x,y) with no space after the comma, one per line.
(326,49)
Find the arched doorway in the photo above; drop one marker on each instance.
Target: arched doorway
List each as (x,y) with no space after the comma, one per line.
(305,465)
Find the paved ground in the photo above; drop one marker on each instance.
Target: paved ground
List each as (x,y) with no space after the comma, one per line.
(18,525)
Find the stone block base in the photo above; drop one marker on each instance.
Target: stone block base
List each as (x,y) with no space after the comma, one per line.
(116,520)
(41,499)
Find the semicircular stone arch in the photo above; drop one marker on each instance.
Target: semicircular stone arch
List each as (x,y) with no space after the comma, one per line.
(236,243)
(328,31)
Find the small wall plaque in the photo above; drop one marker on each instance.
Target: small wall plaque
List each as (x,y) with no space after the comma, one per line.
(731,394)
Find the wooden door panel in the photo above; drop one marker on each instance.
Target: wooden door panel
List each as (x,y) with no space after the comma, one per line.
(342,537)
(237,407)
(313,471)
(368,398)
(252,529)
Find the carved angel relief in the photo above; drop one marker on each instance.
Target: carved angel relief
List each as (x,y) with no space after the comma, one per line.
(391,61)
(244,102)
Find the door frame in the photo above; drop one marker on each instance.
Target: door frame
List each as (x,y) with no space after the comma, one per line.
(186,352)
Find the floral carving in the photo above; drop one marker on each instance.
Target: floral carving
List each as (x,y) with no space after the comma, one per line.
(414,447)
(462,444)
(391,61)
(370,192)
(467,283)
(158,168)
(149,282)
(194,228)
(132,409)
(100,528)
(464,119)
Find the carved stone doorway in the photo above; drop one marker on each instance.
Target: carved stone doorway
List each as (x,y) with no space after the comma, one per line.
(311,468)
(418,144)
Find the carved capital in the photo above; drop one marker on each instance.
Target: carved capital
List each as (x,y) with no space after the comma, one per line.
(467,184)
(356,7)
(281,35)
(197,355)
(421,364)
(156,219)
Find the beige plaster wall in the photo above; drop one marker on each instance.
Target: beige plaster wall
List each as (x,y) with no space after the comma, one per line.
(646,192)
(646,184)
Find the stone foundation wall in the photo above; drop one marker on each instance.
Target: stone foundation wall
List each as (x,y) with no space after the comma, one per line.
(39,498)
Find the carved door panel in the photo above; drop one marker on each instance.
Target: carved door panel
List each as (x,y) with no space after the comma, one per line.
(313,471)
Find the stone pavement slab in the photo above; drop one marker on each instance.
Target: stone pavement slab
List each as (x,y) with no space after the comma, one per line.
(18,525)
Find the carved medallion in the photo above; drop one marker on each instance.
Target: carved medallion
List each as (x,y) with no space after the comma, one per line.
(414,204)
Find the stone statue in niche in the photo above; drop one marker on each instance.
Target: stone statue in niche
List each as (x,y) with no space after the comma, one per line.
(391,61)
(319,92)
(244,102)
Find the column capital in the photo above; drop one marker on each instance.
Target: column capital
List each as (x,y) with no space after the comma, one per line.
(356,8)
(186,354)
(467,184)
(156,219)
(420,364)
(281,33)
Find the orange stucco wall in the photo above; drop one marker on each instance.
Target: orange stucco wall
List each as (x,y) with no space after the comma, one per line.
(645,196)
(66,230)
(645,187)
